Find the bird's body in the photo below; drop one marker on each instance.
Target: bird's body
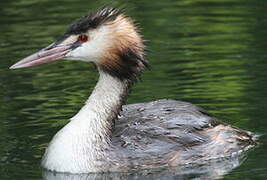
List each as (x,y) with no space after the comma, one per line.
(148,135)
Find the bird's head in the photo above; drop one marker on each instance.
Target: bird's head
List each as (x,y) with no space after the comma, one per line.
(107,37)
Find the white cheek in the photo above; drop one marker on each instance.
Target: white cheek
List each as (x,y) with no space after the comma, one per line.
(94,49)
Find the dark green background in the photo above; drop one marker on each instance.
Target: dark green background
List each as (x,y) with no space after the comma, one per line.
(208,52)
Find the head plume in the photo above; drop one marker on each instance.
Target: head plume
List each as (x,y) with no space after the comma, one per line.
(123,56)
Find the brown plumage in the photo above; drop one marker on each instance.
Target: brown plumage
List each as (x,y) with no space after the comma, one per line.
(125,59)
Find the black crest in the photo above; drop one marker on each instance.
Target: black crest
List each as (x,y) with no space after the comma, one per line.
(93,20)
(131,61)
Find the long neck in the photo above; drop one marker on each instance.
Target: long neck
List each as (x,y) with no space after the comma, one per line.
(78,146)
(102,107)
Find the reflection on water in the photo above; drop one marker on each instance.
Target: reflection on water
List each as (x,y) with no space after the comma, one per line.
(213,170)
(211,53)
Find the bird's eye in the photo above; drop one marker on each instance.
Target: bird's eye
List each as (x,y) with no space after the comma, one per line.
(83,38)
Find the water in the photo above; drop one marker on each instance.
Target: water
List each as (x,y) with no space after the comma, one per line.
(211,53)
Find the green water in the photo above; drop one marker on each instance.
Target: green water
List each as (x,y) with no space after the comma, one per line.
(208,52)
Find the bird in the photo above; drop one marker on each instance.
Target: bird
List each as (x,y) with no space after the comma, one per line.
(108,136)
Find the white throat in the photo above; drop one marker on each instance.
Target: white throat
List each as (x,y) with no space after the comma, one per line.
(103,106)
(77,146)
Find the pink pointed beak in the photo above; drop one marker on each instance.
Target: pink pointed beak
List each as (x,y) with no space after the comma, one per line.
(48,54)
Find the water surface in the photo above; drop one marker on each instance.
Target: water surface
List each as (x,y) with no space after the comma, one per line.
(210,53)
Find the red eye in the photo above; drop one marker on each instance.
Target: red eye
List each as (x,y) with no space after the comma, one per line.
(83,38)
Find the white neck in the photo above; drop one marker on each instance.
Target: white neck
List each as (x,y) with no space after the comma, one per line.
(85,139)
(103,106)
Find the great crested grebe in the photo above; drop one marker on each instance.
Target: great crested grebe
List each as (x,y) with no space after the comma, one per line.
(161,133)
